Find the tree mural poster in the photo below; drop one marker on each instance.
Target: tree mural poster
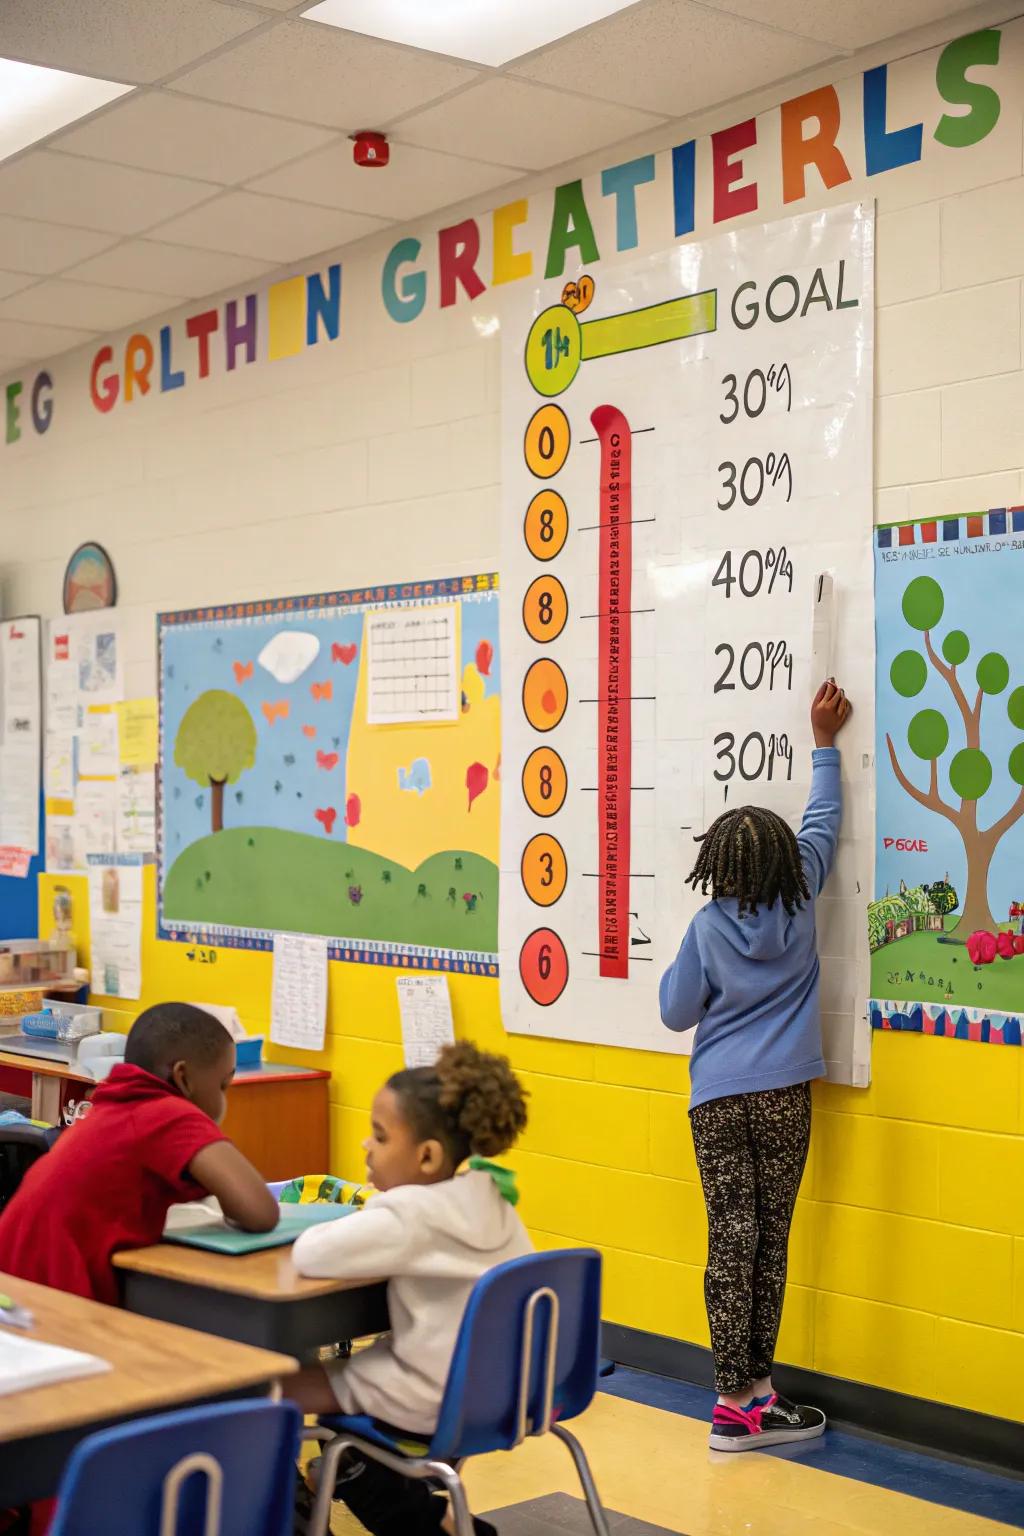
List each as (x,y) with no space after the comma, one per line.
(946,927)
(283,809)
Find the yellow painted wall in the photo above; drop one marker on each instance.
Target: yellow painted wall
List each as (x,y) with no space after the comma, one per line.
(907,1261)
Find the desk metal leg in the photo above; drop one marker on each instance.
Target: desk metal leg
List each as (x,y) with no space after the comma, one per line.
(46,1096)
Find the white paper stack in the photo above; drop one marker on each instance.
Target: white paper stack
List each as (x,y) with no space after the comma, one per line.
(28,1363)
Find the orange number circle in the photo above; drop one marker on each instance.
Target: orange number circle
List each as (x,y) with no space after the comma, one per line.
(544,966)
(544,869)
(545,695)
(545,782)
(545,609)
(546,526)
(546,444)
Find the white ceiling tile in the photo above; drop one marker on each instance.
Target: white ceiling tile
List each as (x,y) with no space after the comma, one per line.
(29,245)
(673,57)
(83,305)
(38,341)
(319,75)
(169,269)
(846,26)
(13,282)
(416,182)
(511,122)
(185,137)
(268,227)
(68,190)
(130,40)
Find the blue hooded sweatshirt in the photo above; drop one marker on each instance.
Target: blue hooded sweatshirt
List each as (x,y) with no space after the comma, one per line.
(750,983)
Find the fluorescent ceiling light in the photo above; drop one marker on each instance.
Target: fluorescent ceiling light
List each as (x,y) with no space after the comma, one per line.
(35,102)
(482,31)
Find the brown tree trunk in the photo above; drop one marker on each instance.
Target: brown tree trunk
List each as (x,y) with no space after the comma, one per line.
(217,805)
(975,910)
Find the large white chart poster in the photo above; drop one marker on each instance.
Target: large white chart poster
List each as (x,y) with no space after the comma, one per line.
(688,452)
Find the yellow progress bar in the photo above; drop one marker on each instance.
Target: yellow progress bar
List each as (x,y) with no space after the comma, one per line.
(674,320)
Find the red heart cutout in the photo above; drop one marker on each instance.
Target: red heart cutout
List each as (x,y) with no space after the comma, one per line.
(346,654)
(327,760)
(309,731)
(243,672)
(327,818)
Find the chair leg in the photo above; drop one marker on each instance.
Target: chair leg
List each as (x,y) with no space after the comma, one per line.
(457,1494)
(334,1449)
(598,1518)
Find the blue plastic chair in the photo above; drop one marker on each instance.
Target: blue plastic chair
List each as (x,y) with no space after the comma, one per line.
(525,1361)
(226,1470)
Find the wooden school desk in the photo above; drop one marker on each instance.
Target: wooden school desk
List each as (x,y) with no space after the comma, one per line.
(277,1114)
(256,1298)
(155,1368)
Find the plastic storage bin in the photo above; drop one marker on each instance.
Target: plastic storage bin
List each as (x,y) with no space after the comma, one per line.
(63,1021)
(249,1052)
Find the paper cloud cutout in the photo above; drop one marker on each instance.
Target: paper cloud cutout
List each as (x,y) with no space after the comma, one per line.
(288,655)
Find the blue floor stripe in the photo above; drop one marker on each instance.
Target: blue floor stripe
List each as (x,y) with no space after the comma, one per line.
(930,1478)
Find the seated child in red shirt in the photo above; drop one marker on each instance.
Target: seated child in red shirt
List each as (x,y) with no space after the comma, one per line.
(149,1141)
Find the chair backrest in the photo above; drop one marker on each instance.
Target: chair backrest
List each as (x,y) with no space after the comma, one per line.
(227,1470)
(20,1147)
(527,1353)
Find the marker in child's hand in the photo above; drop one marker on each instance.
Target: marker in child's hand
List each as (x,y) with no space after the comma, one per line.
(13,1315)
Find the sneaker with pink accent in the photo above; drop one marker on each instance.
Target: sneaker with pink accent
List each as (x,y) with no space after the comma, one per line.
(776,1421)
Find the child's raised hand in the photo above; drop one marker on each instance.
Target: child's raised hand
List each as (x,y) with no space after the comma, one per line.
(829,713)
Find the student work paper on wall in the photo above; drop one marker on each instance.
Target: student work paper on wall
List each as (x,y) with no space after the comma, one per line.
(299,993)
(138,736)
(687,446)
(98,754)
(115,924)
(412,665)
(425,1006)
(20,743)
(946,928)
(84,683)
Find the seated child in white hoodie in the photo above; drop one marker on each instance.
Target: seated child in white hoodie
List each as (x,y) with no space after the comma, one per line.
(432,1232)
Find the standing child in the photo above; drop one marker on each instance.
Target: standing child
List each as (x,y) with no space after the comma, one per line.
(433,1232)
(747,975)
(149,1141)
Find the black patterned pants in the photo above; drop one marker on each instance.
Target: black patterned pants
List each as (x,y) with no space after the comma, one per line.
(751,1152)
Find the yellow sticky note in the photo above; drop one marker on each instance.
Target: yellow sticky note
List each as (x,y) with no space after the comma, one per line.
(137,733)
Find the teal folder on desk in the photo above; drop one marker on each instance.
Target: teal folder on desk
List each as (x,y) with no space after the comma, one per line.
(223,1239)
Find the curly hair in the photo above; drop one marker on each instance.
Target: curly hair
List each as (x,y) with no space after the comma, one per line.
(470,1101)
(751,854)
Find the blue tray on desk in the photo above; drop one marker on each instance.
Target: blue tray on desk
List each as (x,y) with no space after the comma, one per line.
(294,1221)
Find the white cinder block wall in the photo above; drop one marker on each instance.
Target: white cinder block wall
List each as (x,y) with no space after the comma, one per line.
(376,457)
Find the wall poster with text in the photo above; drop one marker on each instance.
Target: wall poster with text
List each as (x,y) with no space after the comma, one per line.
(688,455)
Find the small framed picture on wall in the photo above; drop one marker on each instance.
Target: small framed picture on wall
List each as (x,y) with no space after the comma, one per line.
(89,581)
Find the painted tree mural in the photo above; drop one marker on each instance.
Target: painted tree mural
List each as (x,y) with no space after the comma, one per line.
(216,743)
(928,735)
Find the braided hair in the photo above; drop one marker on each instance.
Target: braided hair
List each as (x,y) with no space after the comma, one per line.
(751,854)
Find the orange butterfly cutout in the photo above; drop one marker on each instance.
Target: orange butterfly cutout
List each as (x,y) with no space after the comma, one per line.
(243,672)
(279,711)
(323,691)
(309,731)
